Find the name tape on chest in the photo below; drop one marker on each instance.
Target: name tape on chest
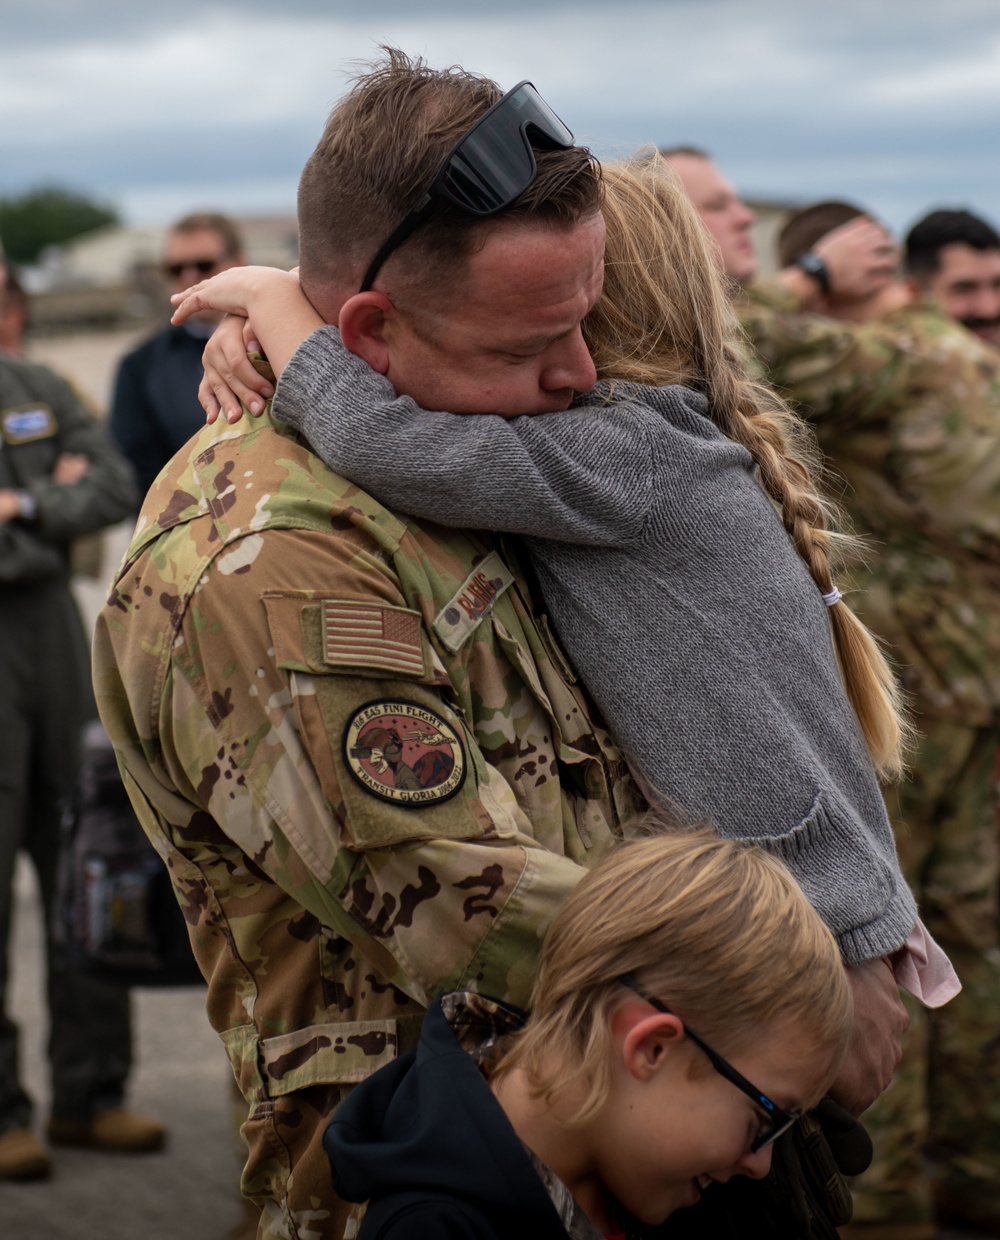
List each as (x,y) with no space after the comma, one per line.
(25,423)
(475,599)
(374,637)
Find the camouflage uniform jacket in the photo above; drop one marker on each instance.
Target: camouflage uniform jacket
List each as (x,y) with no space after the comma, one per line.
(908,411)
(359,753)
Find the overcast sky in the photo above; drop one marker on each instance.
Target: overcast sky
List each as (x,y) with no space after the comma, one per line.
(160,107)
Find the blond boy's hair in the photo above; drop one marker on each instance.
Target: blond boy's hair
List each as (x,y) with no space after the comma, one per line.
(665,317)
(718,930)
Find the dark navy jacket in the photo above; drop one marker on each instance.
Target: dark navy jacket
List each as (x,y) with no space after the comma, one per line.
(425,1139)
(155,410)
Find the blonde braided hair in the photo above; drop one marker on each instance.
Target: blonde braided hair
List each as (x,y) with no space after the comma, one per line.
(665,317)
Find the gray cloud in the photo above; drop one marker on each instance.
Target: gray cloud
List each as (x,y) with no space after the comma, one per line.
(895,105)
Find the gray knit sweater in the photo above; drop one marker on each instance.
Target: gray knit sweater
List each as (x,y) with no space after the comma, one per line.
(679,597)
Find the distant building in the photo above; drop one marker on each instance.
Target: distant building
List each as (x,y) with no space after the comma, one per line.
(112,276)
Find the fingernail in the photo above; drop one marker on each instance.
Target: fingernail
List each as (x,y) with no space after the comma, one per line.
(255,406)
(233,415)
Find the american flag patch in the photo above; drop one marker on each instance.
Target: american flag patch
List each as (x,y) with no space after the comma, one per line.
(365,635)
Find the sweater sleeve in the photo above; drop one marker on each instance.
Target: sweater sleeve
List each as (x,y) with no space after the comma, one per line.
(579,476)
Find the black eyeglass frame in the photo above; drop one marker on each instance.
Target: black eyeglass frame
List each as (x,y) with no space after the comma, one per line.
(502,131)
(780,1120)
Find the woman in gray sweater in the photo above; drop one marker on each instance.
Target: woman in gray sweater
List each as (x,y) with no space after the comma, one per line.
(679,540)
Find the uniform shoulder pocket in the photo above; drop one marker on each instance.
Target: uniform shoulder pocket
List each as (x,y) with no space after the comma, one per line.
(394,758)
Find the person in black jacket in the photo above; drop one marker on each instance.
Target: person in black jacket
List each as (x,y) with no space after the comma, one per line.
(155,408)
(605,1112)
(60,477)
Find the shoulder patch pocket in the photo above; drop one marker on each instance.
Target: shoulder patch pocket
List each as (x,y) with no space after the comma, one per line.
(349,637)
(394,759)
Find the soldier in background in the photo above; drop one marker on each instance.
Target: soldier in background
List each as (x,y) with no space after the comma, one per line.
(906,404)
(59,477)
(155,409)
(13,313)
(954,258)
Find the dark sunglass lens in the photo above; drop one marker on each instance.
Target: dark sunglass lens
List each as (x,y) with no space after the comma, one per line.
(487,173)
(534,111)
(203,266)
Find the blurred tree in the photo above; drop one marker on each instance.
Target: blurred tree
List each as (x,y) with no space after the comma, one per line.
(48,216)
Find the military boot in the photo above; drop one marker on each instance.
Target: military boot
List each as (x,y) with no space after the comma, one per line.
(22,1156)
(117,1131)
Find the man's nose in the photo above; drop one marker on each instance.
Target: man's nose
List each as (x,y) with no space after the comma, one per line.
(571,367)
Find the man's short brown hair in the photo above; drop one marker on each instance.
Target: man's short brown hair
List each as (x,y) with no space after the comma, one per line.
(803,228)
(199,221)
(381,149)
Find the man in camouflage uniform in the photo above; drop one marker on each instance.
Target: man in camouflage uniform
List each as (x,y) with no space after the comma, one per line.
(352,737)
(953,257)
(278,646)
(907,407)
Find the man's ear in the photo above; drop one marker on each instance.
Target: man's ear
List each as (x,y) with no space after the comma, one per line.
(648,1042)
(362,324)
(917,291)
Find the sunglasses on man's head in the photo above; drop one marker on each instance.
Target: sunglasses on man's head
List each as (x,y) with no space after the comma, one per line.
(488,168)
(203,266)
(774,1121)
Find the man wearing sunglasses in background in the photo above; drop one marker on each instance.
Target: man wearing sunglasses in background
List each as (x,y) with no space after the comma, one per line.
(155,409)
(350,735)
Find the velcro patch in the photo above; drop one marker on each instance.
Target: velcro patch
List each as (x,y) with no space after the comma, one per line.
(372,636)
(402,752)
(474,601)
(25,423)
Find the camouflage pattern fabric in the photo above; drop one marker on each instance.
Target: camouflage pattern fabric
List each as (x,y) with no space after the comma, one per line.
(364,762)
(908,411)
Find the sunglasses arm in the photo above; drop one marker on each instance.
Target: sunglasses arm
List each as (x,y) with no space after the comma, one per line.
(409,224)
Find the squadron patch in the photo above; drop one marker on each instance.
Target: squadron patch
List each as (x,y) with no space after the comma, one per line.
(404,753)
(25,423)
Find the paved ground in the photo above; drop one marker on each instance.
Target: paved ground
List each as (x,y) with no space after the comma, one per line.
(181,1077)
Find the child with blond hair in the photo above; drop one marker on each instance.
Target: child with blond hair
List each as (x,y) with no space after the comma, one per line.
(689,1005)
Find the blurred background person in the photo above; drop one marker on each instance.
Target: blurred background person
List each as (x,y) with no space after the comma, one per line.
(13,313)
(155,407)
(954,258)
(59,477)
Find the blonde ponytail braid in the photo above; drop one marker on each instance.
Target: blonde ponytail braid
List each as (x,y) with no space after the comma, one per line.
(666,317)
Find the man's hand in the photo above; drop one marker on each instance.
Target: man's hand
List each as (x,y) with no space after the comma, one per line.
(860,257)
(8,506)
(880,1020)
(70,467)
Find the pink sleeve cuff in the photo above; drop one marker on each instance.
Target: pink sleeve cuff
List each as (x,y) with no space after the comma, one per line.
(921,967)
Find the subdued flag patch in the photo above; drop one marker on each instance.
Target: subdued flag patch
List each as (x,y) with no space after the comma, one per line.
(368,635)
